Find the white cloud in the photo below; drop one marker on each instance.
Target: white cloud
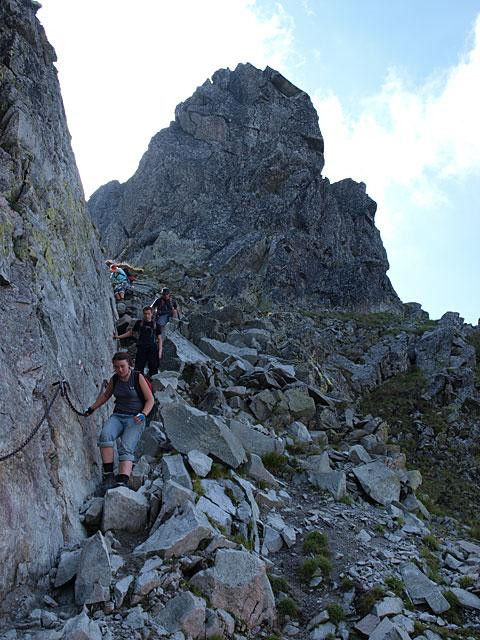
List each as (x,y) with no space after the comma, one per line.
(123,67)
(415,139)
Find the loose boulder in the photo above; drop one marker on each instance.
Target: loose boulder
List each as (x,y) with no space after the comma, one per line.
(179,535)
(185,613)
(379,482)
(188,428)
(238,583)
(124,510)
(94,572)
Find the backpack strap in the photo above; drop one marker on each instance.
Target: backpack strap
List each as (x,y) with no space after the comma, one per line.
(136,384)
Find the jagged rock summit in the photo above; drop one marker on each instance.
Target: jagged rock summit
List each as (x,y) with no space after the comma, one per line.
(231,195)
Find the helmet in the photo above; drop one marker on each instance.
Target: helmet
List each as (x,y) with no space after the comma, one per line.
(164,291)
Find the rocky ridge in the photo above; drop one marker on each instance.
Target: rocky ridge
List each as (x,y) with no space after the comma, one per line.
(281,512)
(230,198)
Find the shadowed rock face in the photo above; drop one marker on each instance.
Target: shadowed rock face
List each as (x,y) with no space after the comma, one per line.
(233,187)
(54,306)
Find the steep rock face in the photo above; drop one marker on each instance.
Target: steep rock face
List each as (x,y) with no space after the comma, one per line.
(55,306)
(232,192)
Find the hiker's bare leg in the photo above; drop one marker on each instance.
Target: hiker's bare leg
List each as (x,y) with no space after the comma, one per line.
(107,454)
(125,467)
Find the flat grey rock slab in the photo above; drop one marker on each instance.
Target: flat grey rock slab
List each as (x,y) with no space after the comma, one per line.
(387,631)
(179,535)
(67,566)
(367,625)
(238,583)
(124,510)
(254,441)
(189,428)
(173,495)
(200,463)
(272,540)
(185,350)
(379,482)
(359,455)
(319,463)
(323,631)
(81,627)
(215,492)
(257,470)
(334,482)
(173,468)
(121,589)
(300,404)
(298,431)
(466,598)
(220,350)
(388,607)
(185,613)
(215,513)
(422,589)
(94,573)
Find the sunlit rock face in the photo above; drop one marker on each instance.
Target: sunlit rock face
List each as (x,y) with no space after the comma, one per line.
(232,194)
(55,307)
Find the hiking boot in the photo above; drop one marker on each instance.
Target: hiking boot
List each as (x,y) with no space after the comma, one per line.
(121,480)
(108,482)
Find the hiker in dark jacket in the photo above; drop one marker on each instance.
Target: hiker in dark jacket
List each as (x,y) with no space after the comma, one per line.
(165,307)
(133,403)
(148,342)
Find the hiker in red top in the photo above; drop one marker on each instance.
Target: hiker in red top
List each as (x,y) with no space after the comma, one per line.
(148,342)
(133,403)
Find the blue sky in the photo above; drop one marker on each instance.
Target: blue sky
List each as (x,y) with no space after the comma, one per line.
(395,83)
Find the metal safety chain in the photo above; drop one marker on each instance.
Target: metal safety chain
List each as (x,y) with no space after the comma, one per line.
(63,389)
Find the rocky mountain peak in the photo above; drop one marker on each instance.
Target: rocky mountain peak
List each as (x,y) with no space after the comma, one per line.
(231,198)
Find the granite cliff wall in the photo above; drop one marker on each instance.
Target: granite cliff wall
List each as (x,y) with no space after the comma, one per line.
(55,306)
(232,194)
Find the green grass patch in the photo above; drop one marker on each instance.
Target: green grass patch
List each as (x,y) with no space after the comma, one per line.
(474,530)
(455,613)
(316,542)
(311,567)
(346,499)
(287,607)
(365,601)
(279,584)
(346,584)
(197,487)
(431,542)
(218,471)
(275,462)
(433,564)
(395,584)
(399,401)
(335,612)
(239,539)
(466,581)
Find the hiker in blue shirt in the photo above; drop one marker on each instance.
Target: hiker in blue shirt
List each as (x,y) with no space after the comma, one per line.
(119,280)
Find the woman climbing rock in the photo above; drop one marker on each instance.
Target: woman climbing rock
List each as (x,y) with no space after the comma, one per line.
(119,281)
(133,403)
